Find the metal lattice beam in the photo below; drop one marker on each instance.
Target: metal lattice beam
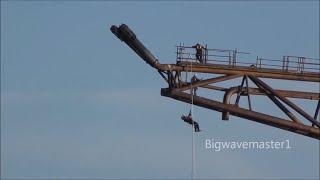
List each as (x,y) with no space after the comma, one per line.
(171,73)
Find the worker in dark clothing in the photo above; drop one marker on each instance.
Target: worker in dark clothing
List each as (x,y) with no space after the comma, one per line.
(199,51)
(193,80)
(188,119)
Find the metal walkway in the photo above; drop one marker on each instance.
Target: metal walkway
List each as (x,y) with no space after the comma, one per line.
(223,61)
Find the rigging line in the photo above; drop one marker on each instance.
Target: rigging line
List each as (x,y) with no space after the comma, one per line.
(193,130)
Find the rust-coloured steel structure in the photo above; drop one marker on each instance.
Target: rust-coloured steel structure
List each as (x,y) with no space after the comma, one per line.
(292,68)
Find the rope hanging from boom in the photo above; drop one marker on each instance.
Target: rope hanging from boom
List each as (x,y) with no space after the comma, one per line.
(189,119)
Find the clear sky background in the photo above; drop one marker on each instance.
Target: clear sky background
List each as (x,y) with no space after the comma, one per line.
(77,102)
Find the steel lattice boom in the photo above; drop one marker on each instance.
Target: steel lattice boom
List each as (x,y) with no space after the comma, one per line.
(224,62)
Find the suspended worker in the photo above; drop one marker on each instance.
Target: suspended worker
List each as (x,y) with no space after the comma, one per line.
(199,51)
(188,119)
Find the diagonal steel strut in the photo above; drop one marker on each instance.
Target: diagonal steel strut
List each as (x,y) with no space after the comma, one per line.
(258,82)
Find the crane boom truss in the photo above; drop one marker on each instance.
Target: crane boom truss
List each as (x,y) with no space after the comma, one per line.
(178,89)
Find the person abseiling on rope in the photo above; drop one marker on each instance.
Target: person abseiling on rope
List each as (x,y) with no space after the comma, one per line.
(199,49)
(188,119)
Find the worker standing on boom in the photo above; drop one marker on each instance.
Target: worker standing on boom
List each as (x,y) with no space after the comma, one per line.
(199,51)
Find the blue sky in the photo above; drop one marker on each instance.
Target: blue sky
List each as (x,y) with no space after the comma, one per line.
(77,102)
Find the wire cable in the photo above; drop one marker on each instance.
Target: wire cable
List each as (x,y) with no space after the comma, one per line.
(193,130)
